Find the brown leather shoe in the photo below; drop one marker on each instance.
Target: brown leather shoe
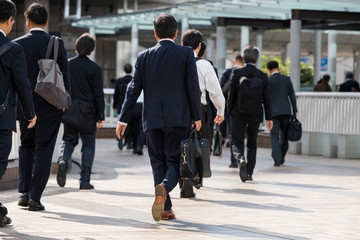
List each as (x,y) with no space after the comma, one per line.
(159,203)
(168,215)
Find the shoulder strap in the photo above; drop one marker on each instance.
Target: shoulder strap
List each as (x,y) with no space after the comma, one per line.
(54,41)
(3,50)
(6,47)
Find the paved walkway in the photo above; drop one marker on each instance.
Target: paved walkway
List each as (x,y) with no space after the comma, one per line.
(307,198)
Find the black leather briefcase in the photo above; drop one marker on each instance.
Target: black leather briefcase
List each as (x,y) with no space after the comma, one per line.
(195,159)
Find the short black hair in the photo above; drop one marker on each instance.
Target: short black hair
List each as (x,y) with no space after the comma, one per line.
(349,75)
(85,44)
(7,10)
(272,65)
(250,54)
(202,49)
(37,14)
(165,26)
(127,68)
(192,38)
(238,58)
(326,77)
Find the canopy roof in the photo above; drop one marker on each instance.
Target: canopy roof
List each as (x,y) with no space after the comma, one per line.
(205,13)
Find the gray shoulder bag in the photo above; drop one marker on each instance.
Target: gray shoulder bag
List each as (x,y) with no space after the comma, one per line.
(50,82)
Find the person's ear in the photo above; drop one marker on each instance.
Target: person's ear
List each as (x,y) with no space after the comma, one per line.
(176,33)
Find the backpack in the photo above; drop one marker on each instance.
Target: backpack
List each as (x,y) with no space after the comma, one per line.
(50,82)
(249,95)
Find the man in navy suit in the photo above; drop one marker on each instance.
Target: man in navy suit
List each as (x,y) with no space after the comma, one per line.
(37,145)
(167,74)
(13,82)
(281,91)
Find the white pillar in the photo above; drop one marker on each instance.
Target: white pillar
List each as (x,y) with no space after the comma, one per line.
(134,43)
(125,6)
(78,9)
(245,37)
(220,48)
(136,5)
(92,32)
(295,54)
(259,39)
(332,49)
(317,56)
(357,67)
(123,54)
(184,27)
(209,48)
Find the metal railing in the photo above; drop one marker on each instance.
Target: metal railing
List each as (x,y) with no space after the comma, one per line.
(333,113)
(110,114)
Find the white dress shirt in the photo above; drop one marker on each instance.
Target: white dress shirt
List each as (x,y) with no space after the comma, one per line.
(209,81)
(3,32)
(36,29)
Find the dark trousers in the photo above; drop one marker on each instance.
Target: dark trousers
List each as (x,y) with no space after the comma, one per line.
(240,126)
(71,139)
(186,187)
(135,129)
(5,148)
(35,153)
(279,142)
(164,152)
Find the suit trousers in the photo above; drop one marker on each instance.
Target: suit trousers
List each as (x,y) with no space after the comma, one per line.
(5,148)
(71,139)
(279,146)
(36,151)
(164,152)
(240,126)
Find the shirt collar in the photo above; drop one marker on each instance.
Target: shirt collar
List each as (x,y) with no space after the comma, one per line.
(36,29)
(195,55)
(238,66)
(251,64)
(3,32)
(274,72)
(166,39)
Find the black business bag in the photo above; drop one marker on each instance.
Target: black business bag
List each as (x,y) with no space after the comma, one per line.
(195,158)
(217,141)
(294,130)
(81,115)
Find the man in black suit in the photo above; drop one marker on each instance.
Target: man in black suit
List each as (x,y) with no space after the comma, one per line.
(87,93)
(238,62)
(37,145)
(120,87)
(281,90)
(247,112)
(13,82)
(350,85)
(167,74)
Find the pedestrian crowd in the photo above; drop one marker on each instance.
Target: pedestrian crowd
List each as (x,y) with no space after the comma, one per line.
(171,89)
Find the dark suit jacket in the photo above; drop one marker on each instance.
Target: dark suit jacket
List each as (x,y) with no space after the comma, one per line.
(118,95)
(35,44)
(248,70)
(349,86)
(13,75)
(87,83)
(167,74)
(281,90)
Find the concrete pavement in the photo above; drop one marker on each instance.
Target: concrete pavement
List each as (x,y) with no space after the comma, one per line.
(307,198)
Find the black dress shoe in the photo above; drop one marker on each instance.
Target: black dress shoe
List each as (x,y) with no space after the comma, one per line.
(243,170)
(183,195)
(24,200)
(35,206)
(276,164)
(249,177)
(86,186)
(61,174)
(233,165)
(4,220)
